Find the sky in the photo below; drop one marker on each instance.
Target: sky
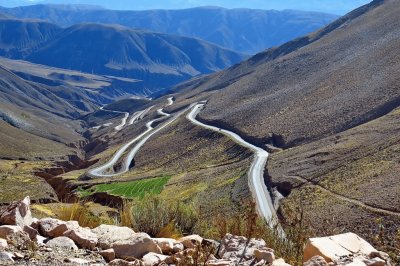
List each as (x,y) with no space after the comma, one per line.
(339,7)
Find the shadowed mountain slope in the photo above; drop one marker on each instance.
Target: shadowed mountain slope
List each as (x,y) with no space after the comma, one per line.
(20,37)
(245,30)
(159,60)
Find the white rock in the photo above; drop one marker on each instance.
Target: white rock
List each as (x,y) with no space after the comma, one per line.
(178,247)
(167,245)
(3,243)
(62,242)
(18,213)
(191,241)
(279,262)
(83,237)
(236,247)
(333,248)
(109,234)
(153,259)
(108,254)
(52,227)
(136,247)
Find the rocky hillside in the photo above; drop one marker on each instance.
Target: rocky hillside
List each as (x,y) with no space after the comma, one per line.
(27,240)
(245,30)
(331,101)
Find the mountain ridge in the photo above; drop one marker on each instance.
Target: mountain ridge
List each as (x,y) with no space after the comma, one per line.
(236,29)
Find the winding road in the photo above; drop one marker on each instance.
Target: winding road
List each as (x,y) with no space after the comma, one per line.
(123,120)
(256,172)
(103,170)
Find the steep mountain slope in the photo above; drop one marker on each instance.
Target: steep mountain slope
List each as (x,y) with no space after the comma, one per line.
(20,37)
(318,76)
(159,60)
(245,30)
(331,100)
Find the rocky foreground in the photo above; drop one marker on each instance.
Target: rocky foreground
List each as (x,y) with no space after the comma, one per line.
(25,240)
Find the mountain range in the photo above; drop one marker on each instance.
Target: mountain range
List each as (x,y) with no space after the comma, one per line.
(158,60)
(245,30)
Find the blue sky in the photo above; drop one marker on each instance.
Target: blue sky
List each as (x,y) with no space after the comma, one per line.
(330,6)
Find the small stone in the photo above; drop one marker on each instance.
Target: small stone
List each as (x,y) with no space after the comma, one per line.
(375,262)
(178,247)
(77,261)
(18,256)
(108,254)
(153,259)
(62,242)
(166,245)
(191,241)
(316,261)
(265,255)
(3,243)
(279,262)
(136,247)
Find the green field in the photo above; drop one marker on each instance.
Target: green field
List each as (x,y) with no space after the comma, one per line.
(133,189)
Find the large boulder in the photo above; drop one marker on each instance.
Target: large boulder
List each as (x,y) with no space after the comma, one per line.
(109,234)
(137,246)
(240,248)
(18,213)
(62,242)
(83,237)
(344,249)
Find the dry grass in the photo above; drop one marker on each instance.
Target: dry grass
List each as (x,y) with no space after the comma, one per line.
(81,213)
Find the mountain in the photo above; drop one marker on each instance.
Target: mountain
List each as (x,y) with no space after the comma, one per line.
(331,102)
(159,60)
(34,121)
(20,37)
(245,30)
(89,88)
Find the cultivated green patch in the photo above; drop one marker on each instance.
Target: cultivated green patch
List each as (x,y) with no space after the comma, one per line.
(133,189)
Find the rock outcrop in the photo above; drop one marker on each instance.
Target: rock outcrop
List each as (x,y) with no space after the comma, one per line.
(345,249)
(58,242)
